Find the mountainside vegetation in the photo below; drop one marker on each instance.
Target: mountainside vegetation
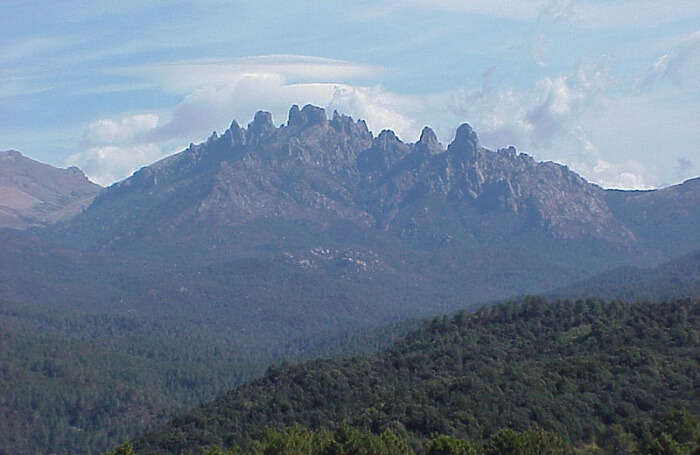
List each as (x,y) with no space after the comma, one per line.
(77,383)
(590,372)
(277,242)
(675,433)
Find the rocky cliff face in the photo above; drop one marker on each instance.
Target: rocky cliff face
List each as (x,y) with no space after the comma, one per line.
(320,170)
(36,194)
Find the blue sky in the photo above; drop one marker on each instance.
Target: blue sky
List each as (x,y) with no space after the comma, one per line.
(610,88)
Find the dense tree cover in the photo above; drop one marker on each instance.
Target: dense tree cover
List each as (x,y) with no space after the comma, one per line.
(153,331)
(676,433)
(588,371)
(75,383)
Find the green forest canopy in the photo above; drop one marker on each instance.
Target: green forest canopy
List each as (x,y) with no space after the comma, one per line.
(589,372)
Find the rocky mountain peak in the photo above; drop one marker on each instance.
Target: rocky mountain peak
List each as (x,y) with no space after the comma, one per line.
(294,118)
(259,127)
(309,115)
(386,137)
(466,143)
(235,134)
(345,124)
(428,142)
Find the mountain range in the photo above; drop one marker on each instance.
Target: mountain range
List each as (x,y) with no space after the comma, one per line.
(329,197)
(273,242)
(322,173)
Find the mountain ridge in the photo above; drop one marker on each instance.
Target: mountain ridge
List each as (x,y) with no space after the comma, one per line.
(37,194)
(315,168)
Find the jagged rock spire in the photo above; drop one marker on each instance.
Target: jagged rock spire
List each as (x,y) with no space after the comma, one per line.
(261,125)
(235,133)
(428,142)
(466,142)
(386,137)
(308,115)
(294,117)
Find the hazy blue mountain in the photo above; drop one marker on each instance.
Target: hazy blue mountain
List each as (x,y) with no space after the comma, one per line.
(664,219)
(676,279)
(328,197)
(322,173)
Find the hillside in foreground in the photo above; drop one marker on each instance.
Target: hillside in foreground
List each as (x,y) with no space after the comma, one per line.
(588,371)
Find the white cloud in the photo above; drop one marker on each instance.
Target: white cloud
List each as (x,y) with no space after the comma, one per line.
(534,117)
(189,75)
(216,105)
(380,109)
(114,148)
(562,100)
(557,119)
(19,50)
(684,167)
(672,64)
(634,13)
(19,86)
(125,130)
(107,164)
(219,90)
(625,175)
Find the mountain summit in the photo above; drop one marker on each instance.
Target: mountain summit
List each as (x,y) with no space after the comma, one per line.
(327,194)
(323,170)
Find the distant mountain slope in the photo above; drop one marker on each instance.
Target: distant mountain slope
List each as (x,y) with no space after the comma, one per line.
(320,183)
(675,279)
(36,194)
(582,370)
(665,219)
(328,196)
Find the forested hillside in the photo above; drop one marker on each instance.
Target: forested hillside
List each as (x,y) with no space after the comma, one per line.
(77,383)
(589,371)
